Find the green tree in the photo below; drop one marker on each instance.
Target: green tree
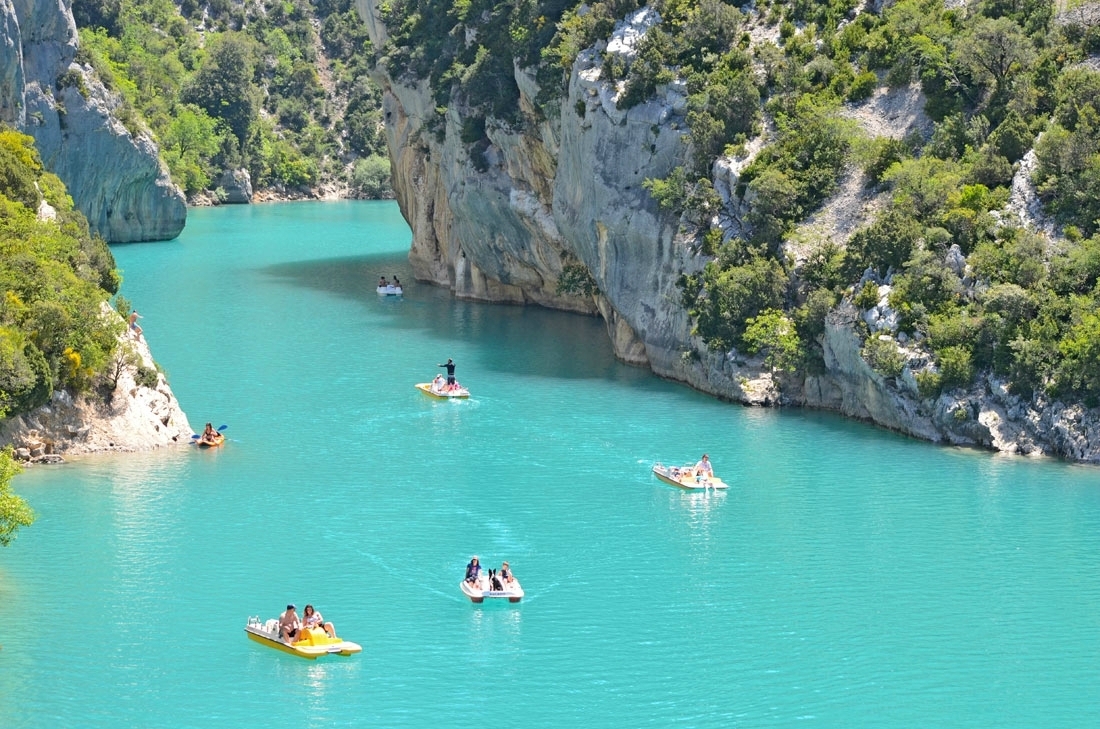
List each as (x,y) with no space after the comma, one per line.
(14,511)
(191,140)
(773,333)
(224,86)
(1080,370)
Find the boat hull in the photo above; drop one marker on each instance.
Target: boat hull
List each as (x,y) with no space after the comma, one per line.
(459,394)
(480,592)
(218,440)
(389,290)
(684,478)
(316,643)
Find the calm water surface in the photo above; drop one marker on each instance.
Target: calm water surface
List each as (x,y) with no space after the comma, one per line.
(849,578)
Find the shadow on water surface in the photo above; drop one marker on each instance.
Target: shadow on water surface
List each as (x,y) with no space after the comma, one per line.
(527,339)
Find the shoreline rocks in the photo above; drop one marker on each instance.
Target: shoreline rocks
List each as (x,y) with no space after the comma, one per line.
(132,417)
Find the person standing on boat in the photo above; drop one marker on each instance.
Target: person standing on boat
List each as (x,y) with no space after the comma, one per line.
(473,570)
(450,371)
(289,625)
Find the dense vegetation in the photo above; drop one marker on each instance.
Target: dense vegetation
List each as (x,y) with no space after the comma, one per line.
(226,85)
(54,279)
(999,77)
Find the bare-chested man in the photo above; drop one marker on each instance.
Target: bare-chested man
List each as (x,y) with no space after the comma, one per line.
(289,625)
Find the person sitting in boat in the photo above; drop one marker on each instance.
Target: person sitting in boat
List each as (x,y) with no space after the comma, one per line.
(396,282)
(289,625)
(506,575)
(438,384)
(703,469)
(209,435)
(473,571)
(383,283)
(313,619)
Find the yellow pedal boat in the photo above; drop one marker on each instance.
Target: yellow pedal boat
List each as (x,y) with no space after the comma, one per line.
(442,392)
(684,477)
(314,642)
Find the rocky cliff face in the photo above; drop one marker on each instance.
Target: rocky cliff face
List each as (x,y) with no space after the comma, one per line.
(565,189)
(115,178)
(133,417)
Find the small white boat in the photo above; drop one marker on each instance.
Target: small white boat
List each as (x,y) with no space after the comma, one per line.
(312,643)
(390,290)
(685,478)
(478,592)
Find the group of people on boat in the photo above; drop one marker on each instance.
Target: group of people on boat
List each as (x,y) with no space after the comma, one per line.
(383,283)
(499,580)
(291,626)
(450,384)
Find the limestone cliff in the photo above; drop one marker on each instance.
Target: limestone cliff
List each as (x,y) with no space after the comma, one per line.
(134,416)
(114,177)
(564,189)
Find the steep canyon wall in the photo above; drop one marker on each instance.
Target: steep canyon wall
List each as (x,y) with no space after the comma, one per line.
(114,177)
(564,189)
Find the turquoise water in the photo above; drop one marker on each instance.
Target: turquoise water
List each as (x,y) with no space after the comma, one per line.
(849,577)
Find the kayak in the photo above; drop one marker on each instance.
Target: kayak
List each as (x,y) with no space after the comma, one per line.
(218,440)
(685,478)
(314,642)
(442,393)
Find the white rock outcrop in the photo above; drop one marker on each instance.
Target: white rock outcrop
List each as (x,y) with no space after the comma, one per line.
(114,177)
(132,417)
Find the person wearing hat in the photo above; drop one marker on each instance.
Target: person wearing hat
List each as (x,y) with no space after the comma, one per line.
(289,625)
(473,571)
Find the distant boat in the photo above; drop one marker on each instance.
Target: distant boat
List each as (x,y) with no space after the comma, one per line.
(313,643)
(214,442)
(443,392)
(390,290)
(685,478)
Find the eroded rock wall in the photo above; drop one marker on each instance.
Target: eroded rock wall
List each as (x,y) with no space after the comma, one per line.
(565,188)
(132,417)
(114,177)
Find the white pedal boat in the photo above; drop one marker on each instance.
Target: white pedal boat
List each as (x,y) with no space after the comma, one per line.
(390,290)
(480,591)
(312,642)
(685,478)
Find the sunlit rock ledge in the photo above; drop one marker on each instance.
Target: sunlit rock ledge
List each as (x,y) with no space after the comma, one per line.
(132,418)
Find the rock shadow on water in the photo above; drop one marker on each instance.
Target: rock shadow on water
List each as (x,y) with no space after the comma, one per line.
(526,339)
